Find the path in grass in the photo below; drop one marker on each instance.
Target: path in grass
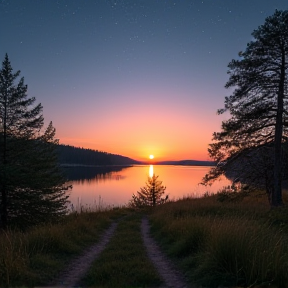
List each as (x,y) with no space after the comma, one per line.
(75,271)
(124,262)
(168,272)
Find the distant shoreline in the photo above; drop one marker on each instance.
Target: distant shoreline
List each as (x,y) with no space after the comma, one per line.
(185,163)
(168,163)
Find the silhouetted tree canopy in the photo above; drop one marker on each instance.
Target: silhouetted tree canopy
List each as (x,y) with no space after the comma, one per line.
(258,126)
(74,155)
(32,189)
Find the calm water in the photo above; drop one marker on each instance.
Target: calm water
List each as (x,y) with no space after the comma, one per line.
(94,187)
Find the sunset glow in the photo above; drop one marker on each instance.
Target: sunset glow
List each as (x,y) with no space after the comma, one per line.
(151,157)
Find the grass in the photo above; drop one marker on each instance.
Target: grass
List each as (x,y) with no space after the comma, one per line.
(36,256)
(222,240)
(124,262)
(230,243)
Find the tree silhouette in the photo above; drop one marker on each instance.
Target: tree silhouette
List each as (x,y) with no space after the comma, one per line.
(32,188)
(258,105)
(75,155)
(151,194)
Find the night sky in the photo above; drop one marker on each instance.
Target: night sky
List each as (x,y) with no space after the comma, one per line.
(131,77)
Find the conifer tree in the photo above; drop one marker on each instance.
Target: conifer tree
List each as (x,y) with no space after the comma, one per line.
(258,105)
(151,194)
(32,189)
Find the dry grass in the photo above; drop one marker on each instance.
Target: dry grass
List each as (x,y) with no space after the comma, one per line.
(36,256)
(230,243)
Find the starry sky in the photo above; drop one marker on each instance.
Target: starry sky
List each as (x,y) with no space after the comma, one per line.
(131,77)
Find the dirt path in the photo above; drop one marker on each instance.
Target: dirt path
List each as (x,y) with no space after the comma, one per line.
(77,268)
(168,272)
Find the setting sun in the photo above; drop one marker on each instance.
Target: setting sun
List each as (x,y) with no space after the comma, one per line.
(151,156)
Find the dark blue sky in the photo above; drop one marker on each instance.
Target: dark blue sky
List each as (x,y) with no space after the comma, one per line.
(134,77)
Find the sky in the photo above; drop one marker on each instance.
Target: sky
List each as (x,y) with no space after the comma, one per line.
(130,77)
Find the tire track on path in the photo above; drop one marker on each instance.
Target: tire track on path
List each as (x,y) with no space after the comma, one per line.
(78,268)
(168,272)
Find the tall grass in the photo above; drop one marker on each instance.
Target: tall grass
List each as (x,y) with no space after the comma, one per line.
(225,243)
(36,256)
(217,240)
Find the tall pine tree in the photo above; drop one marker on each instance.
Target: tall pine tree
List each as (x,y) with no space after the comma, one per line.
(32,189)
(258,105)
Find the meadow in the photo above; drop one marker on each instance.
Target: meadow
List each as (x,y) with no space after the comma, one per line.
(226,240)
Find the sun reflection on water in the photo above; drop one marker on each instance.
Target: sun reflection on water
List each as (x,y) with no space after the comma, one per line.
(151,171)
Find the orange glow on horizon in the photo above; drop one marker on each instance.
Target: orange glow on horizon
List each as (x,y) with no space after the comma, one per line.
(139,152)
(171,133)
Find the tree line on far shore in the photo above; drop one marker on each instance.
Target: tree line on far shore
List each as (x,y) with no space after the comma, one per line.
(81,156)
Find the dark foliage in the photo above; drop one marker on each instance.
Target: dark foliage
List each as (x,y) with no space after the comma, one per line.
(73,155)
(258,127)
(32,188)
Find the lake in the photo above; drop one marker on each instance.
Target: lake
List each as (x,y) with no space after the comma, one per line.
(95,187)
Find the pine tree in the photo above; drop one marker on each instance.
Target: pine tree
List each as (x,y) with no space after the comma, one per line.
(151,194)
(32,188)
(258,105)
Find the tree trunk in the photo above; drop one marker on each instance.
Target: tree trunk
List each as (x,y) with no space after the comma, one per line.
(277,193)
(3,204)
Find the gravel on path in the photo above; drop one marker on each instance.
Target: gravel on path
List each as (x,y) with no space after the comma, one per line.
(75,271)
(166,269)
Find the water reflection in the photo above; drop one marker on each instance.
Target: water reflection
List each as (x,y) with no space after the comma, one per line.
(93,174)
(115,185)
(151,171)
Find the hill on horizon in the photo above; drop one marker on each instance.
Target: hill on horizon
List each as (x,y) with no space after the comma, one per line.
(70,155)
(186,163)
